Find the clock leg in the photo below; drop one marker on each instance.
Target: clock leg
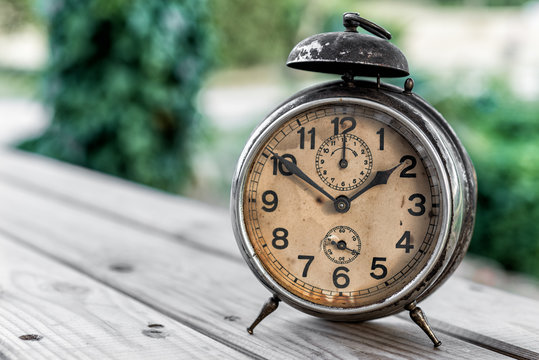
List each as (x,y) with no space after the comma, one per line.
(420,319)
(270,306)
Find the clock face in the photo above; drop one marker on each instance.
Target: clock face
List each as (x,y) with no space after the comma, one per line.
(342,204)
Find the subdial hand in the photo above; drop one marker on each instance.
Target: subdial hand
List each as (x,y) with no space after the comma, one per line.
(296,171)
(343,163)
(380,178)
(341,245)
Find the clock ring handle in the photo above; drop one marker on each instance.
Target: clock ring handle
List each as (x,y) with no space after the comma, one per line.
(352,20)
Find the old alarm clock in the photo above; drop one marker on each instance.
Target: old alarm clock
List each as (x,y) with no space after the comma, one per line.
(353,199)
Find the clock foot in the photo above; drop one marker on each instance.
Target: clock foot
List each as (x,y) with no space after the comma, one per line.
(420,319)
(270,306)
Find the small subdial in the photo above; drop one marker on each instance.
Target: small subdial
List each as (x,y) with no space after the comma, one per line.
(343,162)
(341,245)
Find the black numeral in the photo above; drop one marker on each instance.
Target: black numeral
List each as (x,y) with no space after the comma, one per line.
(282,168)
(420,205)
(309,259)
(381,133)
(272,202)
(280,241)
(404,242)
(341,284)
(346,119)
(404,172)
(301,133)
(376,266)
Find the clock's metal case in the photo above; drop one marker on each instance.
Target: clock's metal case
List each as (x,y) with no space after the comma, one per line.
(418,118)
(457,186)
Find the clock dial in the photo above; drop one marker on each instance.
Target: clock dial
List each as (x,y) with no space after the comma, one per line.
(343,161)
(341,205)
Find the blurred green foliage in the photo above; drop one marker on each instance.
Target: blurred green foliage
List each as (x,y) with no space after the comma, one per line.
(18,83)
(254,32)
(501,133)
(251,32)
(482,2)
(15,14)
(122,79)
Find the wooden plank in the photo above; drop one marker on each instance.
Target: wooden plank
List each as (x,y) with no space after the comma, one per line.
(171,216)
(208,292)
(483,315)
(49,311)
(122,200)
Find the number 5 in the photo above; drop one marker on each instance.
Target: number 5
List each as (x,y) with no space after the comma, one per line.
(375,266)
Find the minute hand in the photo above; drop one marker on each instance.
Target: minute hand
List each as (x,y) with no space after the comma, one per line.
(296,171)
(380,178)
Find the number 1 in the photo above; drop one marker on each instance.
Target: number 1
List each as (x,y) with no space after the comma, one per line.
(381,133)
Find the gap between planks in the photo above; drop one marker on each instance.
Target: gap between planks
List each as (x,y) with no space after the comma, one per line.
(81,270)
(103,194)
(204,305)
(45,191)
(118,217)
(61,313)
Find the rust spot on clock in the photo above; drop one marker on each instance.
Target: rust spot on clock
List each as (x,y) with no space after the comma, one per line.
(402,202)
(319,200)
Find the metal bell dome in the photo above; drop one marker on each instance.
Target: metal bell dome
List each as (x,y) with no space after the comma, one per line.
(349,52)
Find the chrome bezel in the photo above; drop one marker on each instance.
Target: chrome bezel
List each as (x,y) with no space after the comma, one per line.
(444,247)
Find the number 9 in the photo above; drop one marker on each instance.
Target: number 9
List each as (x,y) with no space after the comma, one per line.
(272,202)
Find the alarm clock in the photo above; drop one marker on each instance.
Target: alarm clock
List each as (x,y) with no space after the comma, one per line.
(353,199)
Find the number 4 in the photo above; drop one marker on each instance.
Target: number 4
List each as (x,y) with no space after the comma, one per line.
(406,240)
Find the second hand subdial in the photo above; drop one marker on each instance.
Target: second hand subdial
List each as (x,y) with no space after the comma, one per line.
(343,162)
(341,244)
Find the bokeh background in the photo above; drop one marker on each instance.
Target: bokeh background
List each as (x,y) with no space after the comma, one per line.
(166,92)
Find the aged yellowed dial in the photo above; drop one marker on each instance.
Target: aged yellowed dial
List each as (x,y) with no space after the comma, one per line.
(340,207)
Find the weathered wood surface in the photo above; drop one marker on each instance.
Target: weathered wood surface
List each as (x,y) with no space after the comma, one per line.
(177,258)
(49,311)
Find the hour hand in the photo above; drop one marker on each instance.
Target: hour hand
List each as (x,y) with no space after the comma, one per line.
(380,178)
(294,169)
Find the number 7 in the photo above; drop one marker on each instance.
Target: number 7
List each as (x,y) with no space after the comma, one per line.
(309,259)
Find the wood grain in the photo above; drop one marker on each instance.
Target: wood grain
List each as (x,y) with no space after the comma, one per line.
(50,311)
(485,315)
(210,293)
(472,308)
(125,202)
